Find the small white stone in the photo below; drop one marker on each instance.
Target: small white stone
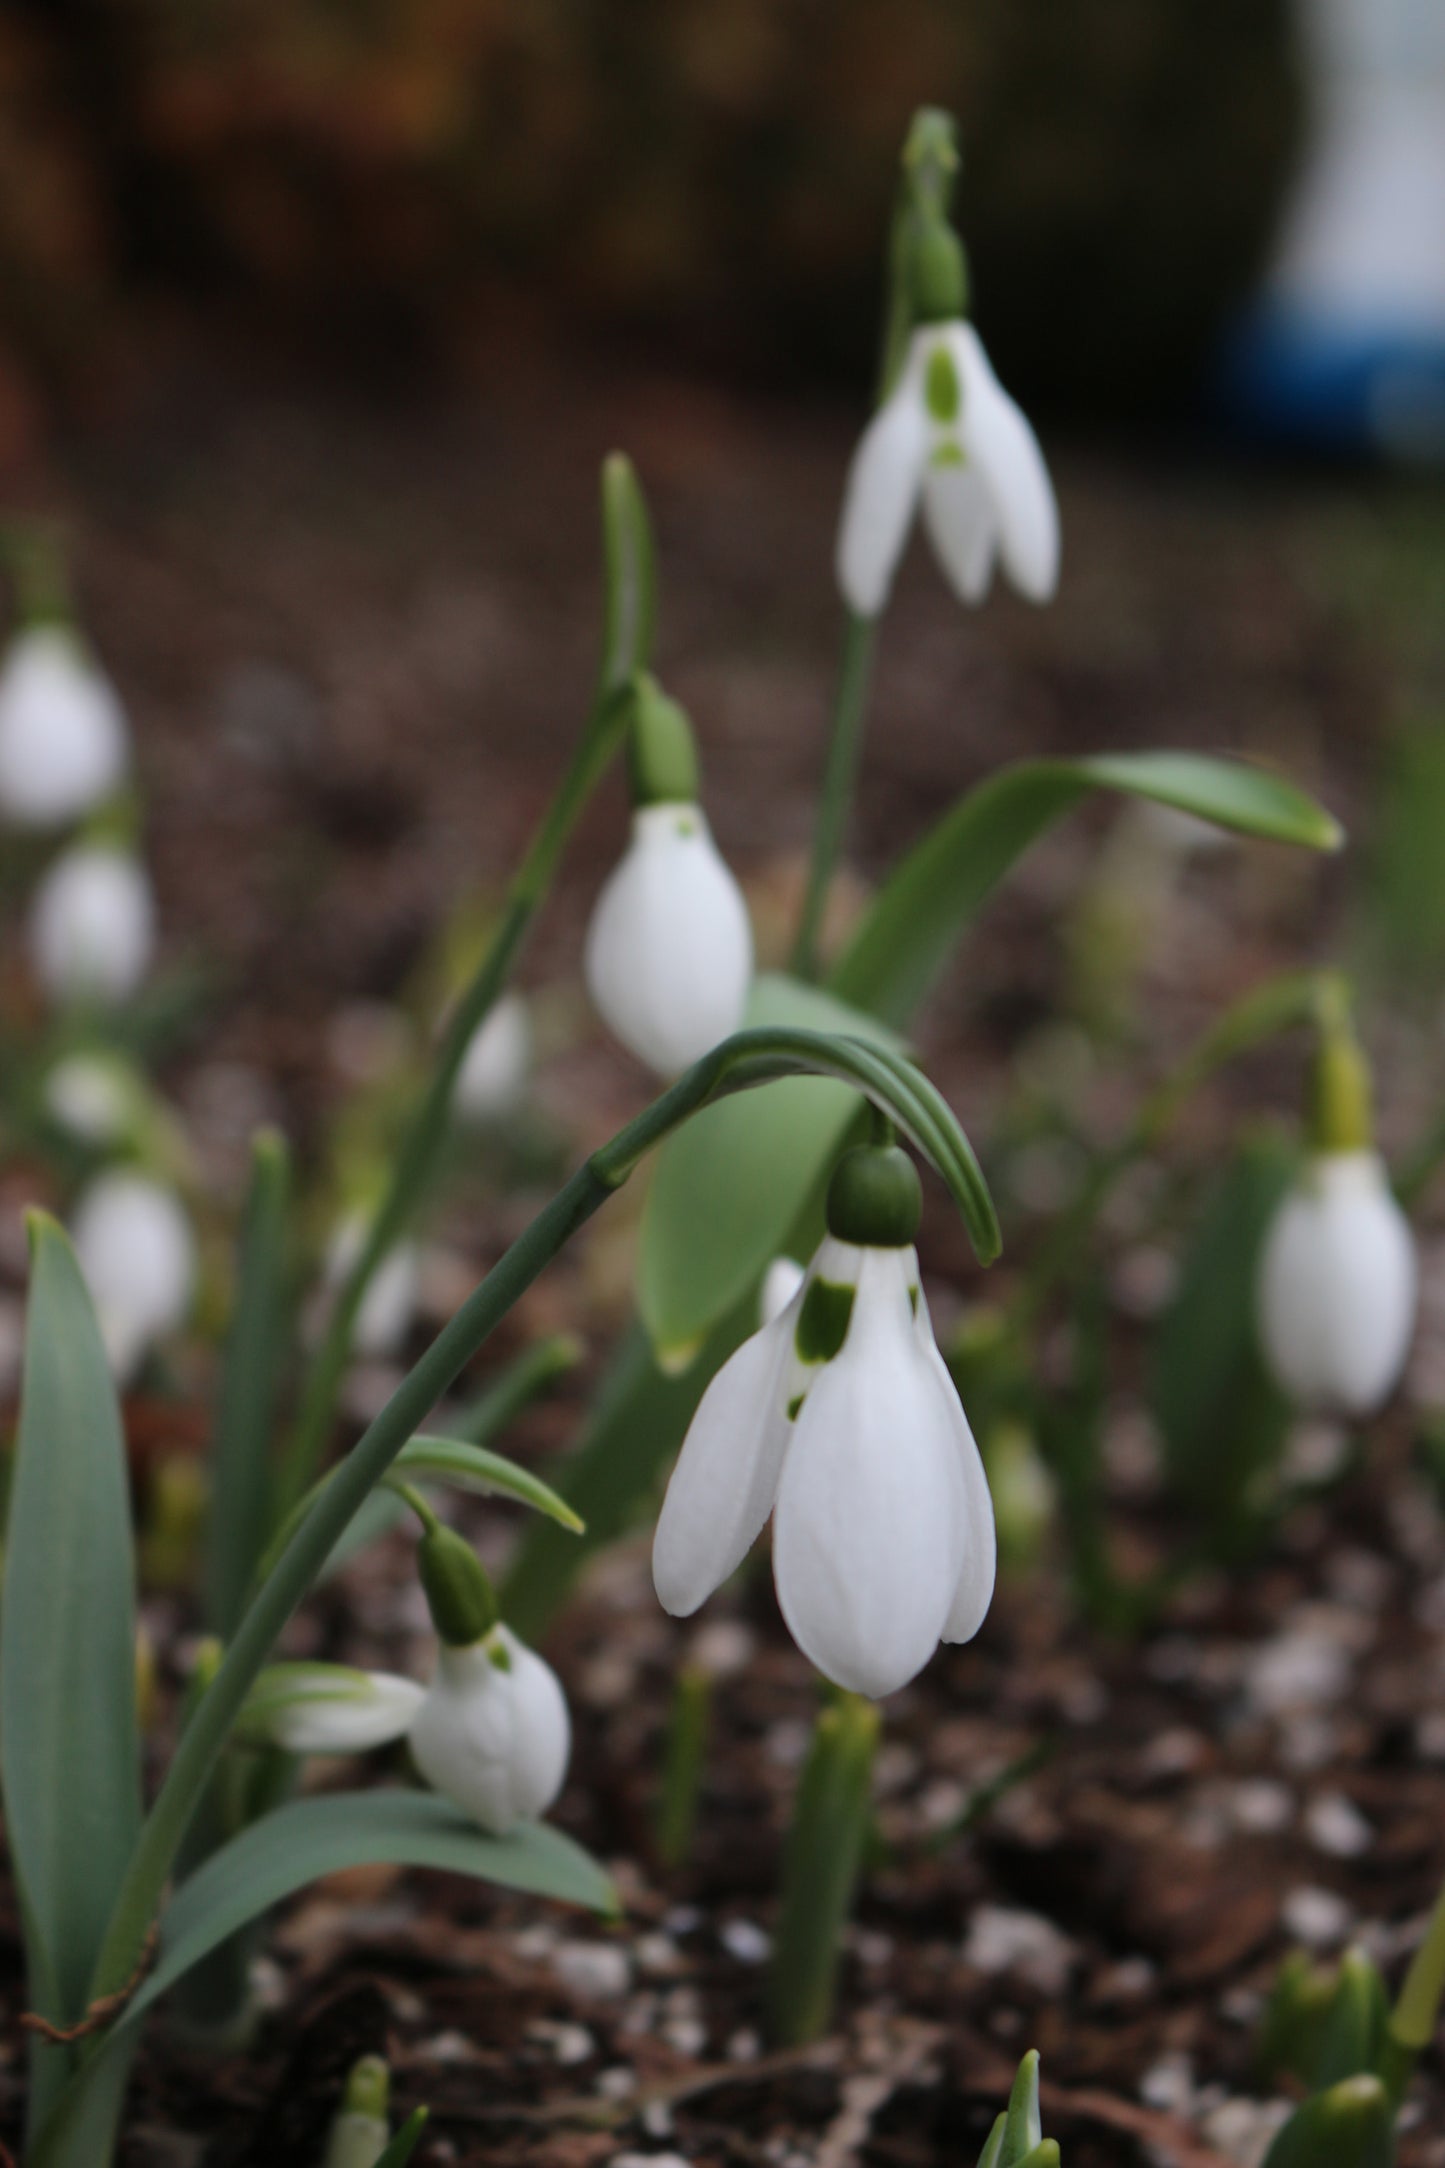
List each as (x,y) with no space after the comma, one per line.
(744,2046)
(447,2048)
(722,1648)
(1335,1825)
(1316,1917)
(746,1941)
(1260,1807)
(567,2044)
(618,2083)
(657,2119)
(649,2160)
(1297,1669)
(1244,2130)
(593,1971)
(1169,2084)
(687,2034)
(1001,1939)
(1430,1736)
(657,1955)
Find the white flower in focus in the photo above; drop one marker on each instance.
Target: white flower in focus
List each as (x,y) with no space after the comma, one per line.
(389,1304)
(781,1282)
(498,1061)
(950,437)
(493,1734)
(1337,1286)
(841,1420)
(669,955)
(138,1255)
(92,925)
(63,739)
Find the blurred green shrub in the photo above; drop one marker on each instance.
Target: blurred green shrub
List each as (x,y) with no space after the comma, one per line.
(710,169)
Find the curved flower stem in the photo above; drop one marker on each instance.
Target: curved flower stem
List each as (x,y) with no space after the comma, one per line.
(751,1058)
(850,706)
(416,1160)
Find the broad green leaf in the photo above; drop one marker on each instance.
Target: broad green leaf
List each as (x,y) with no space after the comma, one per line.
(322,1835)
(69,1754)
(913,924)
(629,574)
(728,1188)
(250,1383)
(1222,1420)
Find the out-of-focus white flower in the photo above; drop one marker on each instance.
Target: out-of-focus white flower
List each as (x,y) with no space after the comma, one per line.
(497,1064)
(841,1420)
(63,738)
(670,950)
(138,1254)
(95,1097)
(92,925)
(491,1733)
(389,1304)
(781,1282)
(948,435)
(1337,1286)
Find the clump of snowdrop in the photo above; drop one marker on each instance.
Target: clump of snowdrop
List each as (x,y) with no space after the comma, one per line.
(840,1420)
(492,1080)
(669,956)
(947,438)
(1338,1274)
(491,1732)
(137,1251)
(92,926)
(64,746)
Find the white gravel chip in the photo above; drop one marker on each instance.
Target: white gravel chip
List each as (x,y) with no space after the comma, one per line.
(1317,1917)
(1001,1939)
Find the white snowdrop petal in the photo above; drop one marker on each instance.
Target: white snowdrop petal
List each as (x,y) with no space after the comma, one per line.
(497,1063)
(1337,1287)
(331,1719)
(881,496)
(979,1569)
(389,1304)
(781,1282)
(726,1478)
(962,525)
(63,739)
(92,925)
(138,1255)
(868,1529)
(999,442)
(494,1741)
(669,956)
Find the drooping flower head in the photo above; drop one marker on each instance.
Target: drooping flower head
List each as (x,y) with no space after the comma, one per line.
(1338,1276)
(92,926)
(491,1732)
(948,438)
(669,956)
(138,1253)
(841,1421)
(64,746)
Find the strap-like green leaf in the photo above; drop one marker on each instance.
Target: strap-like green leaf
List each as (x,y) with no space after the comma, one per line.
(322,1835)
(68,1748)
(460,1466)
(741,1170)
(910,931)
(406,2141)
(250,1381)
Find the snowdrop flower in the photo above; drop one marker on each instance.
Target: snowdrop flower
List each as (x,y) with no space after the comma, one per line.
(92,925)
(389,1304)
(138,1255)
(95,1098)
(840,1419)
(491,1732)
(1338,1277)
(669,956)
(63,740)
(497,1063)
(1337,1287)
(948,436)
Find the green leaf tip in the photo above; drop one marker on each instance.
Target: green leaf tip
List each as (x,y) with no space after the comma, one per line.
(42,1226)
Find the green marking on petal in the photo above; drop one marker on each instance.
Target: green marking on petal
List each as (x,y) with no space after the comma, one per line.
(942,392)
(913,1300)
(822,1323)
(948,455)
(795,1406)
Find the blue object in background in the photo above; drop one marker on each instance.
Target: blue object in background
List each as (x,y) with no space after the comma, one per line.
(1345,345)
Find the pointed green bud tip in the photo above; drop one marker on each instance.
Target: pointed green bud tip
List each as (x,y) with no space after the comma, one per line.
(661,752)
(937,274)
(1339,1114)
(40,1226)
(1350,2126)
(457,1587)
(875,1198)
(1023,2130)
(368,2089)
(932,140)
